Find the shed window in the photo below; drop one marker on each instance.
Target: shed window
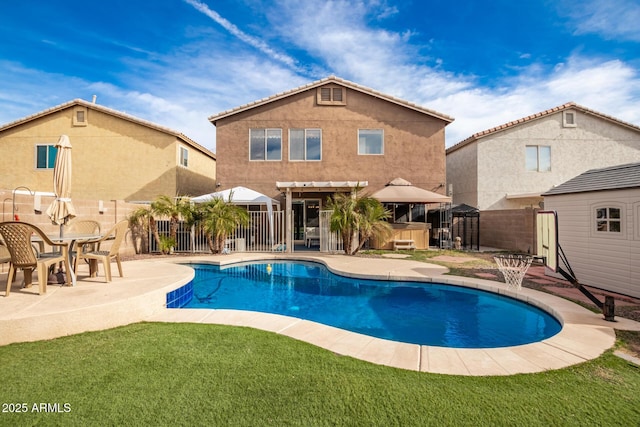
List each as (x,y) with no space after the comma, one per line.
(608,220)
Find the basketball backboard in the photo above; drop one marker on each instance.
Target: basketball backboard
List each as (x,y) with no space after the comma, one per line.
(547,238)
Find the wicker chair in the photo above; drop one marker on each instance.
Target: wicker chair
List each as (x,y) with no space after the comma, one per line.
(120,230)
(5,256)
(17,237)
(83,227)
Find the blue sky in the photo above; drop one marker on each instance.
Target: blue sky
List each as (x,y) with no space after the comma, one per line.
(177,62)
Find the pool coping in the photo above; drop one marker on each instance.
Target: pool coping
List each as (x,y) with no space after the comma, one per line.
(141,296)
(584,336)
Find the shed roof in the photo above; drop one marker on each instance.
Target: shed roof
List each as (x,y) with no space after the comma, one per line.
(610,178)
(329,80)
(111,112)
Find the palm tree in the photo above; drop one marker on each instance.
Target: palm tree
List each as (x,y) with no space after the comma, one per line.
(139,222)
(373,221)
(219,219)
(172,208)
(358,217)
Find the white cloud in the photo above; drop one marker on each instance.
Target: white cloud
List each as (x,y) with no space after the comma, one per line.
(211,74)
(612,88)
(338,35)
(235,31)
(612,19)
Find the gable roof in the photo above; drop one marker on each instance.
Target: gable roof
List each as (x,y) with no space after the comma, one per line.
(568,106)
(111,112)
(329,80)
(611,178)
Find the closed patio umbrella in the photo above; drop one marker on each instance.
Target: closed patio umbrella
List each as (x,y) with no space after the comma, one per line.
(62,210)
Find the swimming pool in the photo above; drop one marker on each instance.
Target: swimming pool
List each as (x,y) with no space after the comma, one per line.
(411,312)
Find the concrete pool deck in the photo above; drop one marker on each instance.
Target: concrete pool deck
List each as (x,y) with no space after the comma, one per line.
(141,296)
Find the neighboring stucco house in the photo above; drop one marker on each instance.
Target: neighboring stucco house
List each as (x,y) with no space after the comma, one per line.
(302,145)
(115,156)
(599,226)
(504,169)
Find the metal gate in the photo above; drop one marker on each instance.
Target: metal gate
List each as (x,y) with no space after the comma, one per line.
(329,241)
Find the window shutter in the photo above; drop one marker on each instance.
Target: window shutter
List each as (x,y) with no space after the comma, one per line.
(337,94)
(325,94)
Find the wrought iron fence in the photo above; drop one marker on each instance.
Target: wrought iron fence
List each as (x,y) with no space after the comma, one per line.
(265,233)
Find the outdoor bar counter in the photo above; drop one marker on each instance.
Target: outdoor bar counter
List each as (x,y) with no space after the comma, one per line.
(418,232)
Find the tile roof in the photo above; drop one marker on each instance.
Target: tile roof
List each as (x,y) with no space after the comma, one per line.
(112,112)
(327,80)
(610,178)
(568,106)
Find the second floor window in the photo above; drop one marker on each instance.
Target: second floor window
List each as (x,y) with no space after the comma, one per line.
(265,144)
(46,156)
(305,144)
(370,141)
(184,157)
(538,158)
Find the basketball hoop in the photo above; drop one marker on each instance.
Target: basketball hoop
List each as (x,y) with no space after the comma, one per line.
(513,268)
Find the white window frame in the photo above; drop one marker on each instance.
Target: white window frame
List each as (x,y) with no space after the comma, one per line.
(305,145)
(538,157)
(569,119)
(381,148)
(597,222)
(50,163)
(265,145)
(183,156)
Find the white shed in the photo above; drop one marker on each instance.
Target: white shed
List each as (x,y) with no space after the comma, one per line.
(599,226)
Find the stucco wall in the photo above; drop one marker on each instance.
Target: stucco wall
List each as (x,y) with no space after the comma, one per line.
(87,209)
(413,144)
(113,159)
(462,174)
(513,229)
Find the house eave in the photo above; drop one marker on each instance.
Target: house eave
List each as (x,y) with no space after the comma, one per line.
(328,80)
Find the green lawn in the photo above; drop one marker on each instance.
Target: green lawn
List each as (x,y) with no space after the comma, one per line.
(193,374)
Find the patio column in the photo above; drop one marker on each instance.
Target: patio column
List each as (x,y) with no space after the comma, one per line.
(288,220)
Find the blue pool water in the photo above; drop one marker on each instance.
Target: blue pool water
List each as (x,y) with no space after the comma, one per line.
(412,312)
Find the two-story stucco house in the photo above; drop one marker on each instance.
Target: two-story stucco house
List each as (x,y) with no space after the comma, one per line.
(504,169)
(331,135)
(115,156)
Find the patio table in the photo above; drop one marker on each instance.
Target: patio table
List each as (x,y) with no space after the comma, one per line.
(72,239)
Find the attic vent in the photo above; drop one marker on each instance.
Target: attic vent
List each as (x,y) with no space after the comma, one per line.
(331,95)
(337,94)
(80,116)
(569,119)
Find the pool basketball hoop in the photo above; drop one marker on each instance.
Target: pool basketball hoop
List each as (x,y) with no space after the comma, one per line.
(548,250)
(513,268)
